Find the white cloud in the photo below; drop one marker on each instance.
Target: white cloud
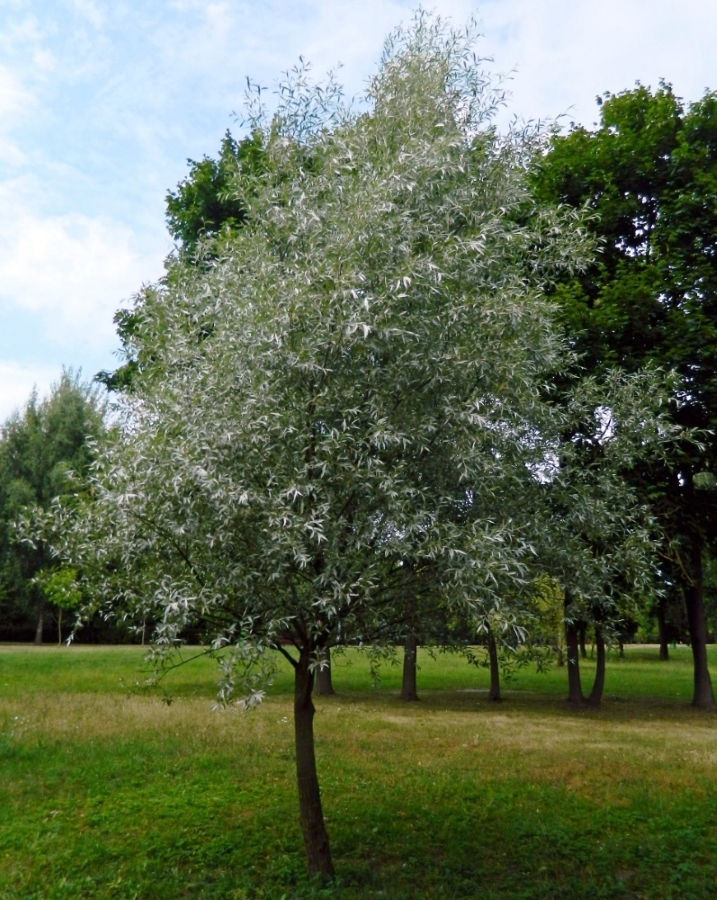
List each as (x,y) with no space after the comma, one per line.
(17,382)
(568,52)
(89,10)
(16,103)
(73,270)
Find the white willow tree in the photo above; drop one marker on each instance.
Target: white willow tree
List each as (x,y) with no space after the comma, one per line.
(344,404)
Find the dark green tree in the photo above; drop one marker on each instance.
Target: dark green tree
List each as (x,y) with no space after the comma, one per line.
(206,203)
(208,206)
(40,446)
(648,177)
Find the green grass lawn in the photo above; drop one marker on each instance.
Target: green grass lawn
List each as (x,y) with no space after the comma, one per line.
(113,791)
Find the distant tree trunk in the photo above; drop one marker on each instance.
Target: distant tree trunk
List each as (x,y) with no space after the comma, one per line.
(703,698)
(621,646)
(40,622)
(662,631)
(408,684)
(59,626)
(559,657)
(324,684)
(494,692)
(575,691)
(599,683)
(313,827)
(582,629)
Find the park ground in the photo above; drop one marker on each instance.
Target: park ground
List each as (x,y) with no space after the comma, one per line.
(113,790)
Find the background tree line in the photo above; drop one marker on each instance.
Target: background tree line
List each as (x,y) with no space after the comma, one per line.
(647,173)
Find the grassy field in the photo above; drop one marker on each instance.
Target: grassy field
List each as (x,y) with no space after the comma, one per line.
(110,791)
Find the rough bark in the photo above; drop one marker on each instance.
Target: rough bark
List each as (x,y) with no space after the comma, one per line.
(40,622)
(324,684)
(408,684)
(662,631)
(575,691)
(703,697)
(599,683)
(313,827)
(494,692)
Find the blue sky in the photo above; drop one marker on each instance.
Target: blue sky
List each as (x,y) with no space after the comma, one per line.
(101,104)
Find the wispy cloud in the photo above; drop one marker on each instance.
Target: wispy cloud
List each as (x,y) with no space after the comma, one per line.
(16,104)
(566,53)
(74,272)
(90,11)
(17,382)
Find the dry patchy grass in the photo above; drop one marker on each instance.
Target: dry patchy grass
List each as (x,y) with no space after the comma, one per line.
(116,793)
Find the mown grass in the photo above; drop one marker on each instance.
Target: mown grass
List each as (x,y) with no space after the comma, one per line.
(109,791)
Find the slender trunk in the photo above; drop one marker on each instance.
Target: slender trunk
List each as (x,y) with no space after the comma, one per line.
(494,692)
(662,631)
(582,629)
(316,839)
(621,646)
(410,654)
(59,626)
(324,684)
(575,691)
(703,698)
(559,657)
(599,683)
(40,622)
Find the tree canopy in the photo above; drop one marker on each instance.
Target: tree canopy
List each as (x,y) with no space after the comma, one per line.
(648,175)
(40,446)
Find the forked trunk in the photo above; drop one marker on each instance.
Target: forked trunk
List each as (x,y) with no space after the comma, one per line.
(494,692)
(703,698)
(662,631)
(599,683)
(40,622)
(410,654)
(575,691)
(316,839)
(324,684)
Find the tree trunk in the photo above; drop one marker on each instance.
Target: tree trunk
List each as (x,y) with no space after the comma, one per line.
(662,631)
(324,684)
(316,839)
(582,629)
(40,622)
(703,698)
(575,691)
(59,626)
(599,683)
(410,653)
(494,692)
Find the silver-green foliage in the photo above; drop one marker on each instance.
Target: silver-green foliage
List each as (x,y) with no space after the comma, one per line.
(356,381)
